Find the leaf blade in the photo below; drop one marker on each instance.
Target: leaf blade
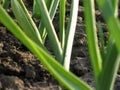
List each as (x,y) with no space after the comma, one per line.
(66,78)
(25,21)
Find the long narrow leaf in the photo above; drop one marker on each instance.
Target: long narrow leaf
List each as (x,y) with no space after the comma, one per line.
(70,34)
(50,30)
(115,6)
(111,20)
(25,21)
(92,39)
(108,12)
(5,3)
(102,43)
(110,67)
(36,12)
(52,10)
(66,78)
(62,22)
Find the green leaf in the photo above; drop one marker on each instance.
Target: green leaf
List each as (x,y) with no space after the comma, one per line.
(112,21)
(52,10)
(62,22)
(50,30)
(69,80)
(25,21)
(111,64)
(102,43)
(110,67)
(115,6)
(5,3)
(95,55)
(36,11)
(70,33)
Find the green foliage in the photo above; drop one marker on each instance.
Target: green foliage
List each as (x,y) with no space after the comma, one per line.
(105,68)
(105,63)
(25,21)
(66,78)
(5,3)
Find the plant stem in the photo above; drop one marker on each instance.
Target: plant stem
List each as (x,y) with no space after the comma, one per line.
(70,34)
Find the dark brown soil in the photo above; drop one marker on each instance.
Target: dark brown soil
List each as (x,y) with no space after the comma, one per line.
(21,70)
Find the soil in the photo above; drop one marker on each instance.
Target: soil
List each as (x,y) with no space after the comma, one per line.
(21,70)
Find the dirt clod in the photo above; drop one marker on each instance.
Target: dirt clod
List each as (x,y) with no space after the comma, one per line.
(11,83)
